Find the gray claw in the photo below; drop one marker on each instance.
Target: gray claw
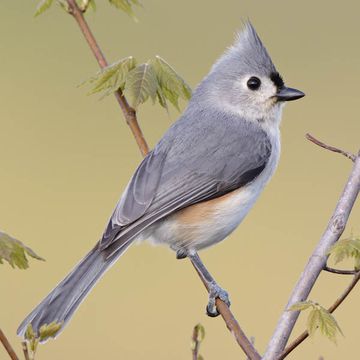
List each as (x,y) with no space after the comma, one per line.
(215,291)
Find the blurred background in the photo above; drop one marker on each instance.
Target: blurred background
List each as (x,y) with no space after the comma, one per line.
(65,158)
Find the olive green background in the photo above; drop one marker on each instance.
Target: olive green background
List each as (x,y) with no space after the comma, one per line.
(65,158)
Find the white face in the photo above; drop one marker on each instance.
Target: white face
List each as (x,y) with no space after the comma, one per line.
(254,97)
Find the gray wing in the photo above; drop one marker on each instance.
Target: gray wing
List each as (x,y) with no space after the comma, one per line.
(203,155)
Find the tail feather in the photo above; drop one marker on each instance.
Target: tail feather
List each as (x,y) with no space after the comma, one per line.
(62,302)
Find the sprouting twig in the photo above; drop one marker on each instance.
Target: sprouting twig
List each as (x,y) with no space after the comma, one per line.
(317,260)
(8,346)
(195,343)
(234,327)
(128,111)
(331,309)
(347,154)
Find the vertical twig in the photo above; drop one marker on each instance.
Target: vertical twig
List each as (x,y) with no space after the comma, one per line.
(25,350)
(316,263)
(195,343)
(8,346)
(128,111)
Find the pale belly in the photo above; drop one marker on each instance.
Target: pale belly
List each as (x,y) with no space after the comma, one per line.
(206,223)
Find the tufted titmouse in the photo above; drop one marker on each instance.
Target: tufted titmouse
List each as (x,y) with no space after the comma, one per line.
(198,183)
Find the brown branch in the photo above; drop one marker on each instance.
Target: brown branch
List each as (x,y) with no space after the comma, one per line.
(8,346)
(294,344)
(234,327)
(340,272)
(128,111)
(347,154)
(25,350)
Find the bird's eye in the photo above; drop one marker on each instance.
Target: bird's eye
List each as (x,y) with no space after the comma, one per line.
(253,83)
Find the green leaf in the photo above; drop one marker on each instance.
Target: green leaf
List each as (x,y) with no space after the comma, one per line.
(14,252)
(200,330)
(64,5)
(346,248)
(141,83)
(113,77)
(29,333)
(161,98)
(301,305)
(46,331)
(318,318)
(49,330)
(92,5)
(31,339)
(171,83)
(126,6)
(42,6)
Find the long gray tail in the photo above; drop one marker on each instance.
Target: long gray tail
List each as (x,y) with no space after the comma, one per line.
(62,302)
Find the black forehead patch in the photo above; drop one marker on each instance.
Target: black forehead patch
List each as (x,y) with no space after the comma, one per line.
(277,80)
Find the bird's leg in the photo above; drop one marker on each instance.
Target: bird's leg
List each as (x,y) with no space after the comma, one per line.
(215,291)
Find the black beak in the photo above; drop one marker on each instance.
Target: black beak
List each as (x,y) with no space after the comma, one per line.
(289,94)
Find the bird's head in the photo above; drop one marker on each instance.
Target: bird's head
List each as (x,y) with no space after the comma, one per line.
(245,80)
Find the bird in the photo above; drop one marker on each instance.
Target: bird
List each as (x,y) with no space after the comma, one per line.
(199,182)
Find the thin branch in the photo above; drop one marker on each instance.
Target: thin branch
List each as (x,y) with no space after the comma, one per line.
(331,309)
(25,350)
(128,111)
(234,327)
(8,346)
(347,154)
(340,272)
(316,263)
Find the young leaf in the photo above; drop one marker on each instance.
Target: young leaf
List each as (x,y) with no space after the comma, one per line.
(141,83)
(301,305)
(161,98)
(92,5)
(329,326)
(126,6)
(64,5)
(313,321)
(170,82)
(47,331)
(14,252)
(200,330)
(346,248)
(32,340)
(85,4)
(42,6)
(319,318)
(112,77)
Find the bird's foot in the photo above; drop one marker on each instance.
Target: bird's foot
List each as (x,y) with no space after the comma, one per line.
(215,291)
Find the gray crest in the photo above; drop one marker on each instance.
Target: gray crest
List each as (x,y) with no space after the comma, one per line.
(247,55)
